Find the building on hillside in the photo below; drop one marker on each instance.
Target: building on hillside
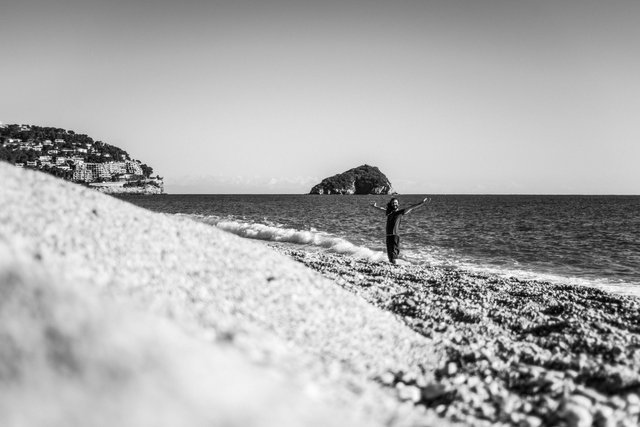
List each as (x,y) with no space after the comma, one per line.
(47,142)
(61,160)
(99,170)
(134,168)
(82,174)
(44,158)
(58,141)
(115,168)
(89,172)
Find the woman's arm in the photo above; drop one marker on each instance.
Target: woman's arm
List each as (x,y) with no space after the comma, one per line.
(417,205)
(375,205)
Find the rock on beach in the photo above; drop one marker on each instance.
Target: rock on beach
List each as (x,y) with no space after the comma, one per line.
(114,315)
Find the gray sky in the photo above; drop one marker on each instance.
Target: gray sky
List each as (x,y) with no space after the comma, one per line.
(270,96)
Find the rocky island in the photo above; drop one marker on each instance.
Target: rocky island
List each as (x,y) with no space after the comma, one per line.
(364,179)
(77,158)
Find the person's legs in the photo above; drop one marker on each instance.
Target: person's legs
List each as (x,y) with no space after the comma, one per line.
(393,248)
(390,248)
(396,248)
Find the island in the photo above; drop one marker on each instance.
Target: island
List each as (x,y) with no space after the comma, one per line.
(77,158)
(364,179)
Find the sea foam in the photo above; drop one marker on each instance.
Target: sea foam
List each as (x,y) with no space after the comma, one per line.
(276,233)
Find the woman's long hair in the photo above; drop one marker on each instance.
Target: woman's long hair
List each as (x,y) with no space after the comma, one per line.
(390,206)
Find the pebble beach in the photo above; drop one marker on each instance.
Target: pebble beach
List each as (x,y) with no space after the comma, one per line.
(517,352)
(114,315)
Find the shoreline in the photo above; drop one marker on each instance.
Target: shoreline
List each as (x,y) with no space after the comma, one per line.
(606,259)
(374,251)
(519,352)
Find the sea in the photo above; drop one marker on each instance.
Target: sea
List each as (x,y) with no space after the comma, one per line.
(584,240)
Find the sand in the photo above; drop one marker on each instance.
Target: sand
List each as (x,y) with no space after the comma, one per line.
(113,315)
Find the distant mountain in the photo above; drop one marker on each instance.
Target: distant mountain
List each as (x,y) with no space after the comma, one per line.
(364,179)
(76,157)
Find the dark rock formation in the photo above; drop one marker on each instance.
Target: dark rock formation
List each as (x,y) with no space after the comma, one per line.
(364,179)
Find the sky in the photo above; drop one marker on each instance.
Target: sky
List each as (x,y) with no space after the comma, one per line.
(271,96)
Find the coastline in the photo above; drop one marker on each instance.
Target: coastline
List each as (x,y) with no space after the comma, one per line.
(519,352)
(111,312)
(118,188)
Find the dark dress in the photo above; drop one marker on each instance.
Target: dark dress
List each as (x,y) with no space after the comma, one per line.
(393,240)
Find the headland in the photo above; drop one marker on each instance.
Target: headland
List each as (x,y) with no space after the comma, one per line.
(77,158)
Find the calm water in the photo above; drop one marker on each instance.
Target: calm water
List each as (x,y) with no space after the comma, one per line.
(591,240)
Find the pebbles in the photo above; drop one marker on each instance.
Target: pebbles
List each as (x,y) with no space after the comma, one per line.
(517,352)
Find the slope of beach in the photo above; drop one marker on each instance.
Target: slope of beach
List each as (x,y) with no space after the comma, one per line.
(518,352)
(114,315)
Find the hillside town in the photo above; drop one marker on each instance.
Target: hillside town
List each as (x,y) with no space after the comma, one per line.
(76,158)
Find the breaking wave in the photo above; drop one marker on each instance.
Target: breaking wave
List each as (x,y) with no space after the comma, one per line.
(275,233)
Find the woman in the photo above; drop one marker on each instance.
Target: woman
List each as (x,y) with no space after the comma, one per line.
(393,222)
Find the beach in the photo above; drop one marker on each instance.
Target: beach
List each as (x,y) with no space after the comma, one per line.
(115,315)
